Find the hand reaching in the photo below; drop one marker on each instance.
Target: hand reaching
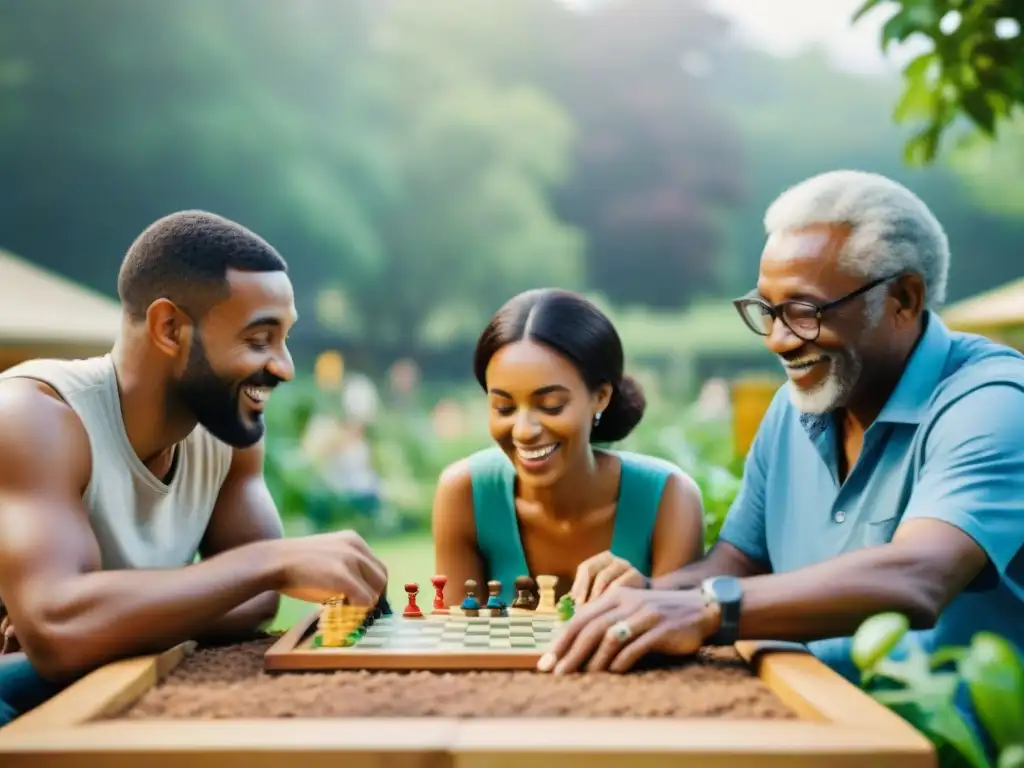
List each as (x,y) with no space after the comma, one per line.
(317,568)
(613,632)
(602,572)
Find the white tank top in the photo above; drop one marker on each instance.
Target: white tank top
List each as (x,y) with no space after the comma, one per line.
(139,521)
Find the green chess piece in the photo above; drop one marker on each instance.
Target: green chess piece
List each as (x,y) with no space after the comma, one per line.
(566,607)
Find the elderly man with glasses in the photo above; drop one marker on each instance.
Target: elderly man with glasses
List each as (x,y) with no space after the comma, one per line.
(887,474)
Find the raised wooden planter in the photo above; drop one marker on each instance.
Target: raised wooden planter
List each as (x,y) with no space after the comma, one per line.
(837,726)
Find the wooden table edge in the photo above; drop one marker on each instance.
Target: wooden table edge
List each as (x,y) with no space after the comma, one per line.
(838,717)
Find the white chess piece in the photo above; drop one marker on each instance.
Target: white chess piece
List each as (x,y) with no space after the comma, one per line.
(546,587)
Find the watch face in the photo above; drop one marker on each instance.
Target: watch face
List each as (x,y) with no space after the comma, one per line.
(727,589)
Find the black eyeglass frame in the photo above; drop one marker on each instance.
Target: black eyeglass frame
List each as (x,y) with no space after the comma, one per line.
(777,311)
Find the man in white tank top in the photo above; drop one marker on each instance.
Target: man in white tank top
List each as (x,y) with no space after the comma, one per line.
(117,471)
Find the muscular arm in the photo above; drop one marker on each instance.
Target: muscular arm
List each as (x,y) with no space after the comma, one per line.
(454,531)
(679,530)
(71,616)
(245,513)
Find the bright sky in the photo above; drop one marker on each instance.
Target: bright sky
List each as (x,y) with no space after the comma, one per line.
(786,26)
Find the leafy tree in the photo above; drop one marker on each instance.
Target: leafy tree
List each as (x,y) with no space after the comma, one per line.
(466,221)
(975,68)
(656,161)
(994,170)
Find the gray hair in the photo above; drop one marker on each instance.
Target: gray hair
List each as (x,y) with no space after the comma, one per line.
(892,230)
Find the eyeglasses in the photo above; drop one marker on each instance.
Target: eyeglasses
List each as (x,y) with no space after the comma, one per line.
(803,318)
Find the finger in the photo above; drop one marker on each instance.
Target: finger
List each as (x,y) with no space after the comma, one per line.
(639,623)
(585,575)
(587,641)
(356,541)
(570,630)
(375,573)
(631,579)
(628,655)
(610,573)
(667,638)
(367,582)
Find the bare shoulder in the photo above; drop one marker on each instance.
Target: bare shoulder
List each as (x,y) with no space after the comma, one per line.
(453,499)
(455,483)
(43,441)
(681,491)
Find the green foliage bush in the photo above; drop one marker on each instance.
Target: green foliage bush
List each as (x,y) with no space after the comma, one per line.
(921,688)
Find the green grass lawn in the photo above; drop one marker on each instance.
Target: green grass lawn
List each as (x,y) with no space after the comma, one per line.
(407,559)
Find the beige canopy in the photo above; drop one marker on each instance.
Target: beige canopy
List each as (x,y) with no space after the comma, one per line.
(992,312)
(45,315)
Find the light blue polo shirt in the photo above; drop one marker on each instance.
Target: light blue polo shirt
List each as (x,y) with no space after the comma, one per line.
(948,445)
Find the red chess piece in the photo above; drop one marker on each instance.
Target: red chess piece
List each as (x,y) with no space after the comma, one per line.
(439,582)
(412,611)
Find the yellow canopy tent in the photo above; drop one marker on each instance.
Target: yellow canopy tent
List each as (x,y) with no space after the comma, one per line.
(45,315)
(998,314)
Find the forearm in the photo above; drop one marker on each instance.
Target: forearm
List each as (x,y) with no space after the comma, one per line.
(722,560)
(90,619)
(244,621)
(833,598)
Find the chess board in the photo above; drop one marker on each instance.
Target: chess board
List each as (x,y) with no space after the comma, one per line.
(434,642)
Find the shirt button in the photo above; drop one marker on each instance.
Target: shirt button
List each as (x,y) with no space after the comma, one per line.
(839,516)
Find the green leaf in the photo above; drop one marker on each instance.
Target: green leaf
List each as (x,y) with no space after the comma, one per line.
(876,637)
(950,655)
(980,110)
(1011,757)
(917,100)
(917,67)
(995,678)
(946,723)
(922,147)
(864,8)
(915,18)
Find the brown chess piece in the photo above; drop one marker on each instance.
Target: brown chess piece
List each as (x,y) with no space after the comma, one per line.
(526,598)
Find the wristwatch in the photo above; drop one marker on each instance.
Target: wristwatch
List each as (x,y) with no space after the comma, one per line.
(726,593)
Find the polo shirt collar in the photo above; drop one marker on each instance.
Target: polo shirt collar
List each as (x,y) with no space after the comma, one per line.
(909,400)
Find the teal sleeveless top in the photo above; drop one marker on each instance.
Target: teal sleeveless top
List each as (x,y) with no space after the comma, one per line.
(497,526)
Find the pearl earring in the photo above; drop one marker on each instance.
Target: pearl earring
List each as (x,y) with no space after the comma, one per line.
(597,418)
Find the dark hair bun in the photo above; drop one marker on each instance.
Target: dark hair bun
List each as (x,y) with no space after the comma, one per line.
(624,411)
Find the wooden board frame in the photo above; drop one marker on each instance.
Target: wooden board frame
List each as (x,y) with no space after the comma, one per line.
(287,655)
(839,726)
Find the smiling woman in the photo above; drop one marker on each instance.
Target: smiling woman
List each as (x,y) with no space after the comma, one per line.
(544,500)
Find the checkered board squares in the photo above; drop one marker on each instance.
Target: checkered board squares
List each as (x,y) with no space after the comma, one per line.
(458,633)
(452,641)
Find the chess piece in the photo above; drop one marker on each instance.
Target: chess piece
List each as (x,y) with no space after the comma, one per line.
(439,584)
(525,598)
(470,605)
(412,611)
(566,607)
(546,584)
(340,625)
(494,603)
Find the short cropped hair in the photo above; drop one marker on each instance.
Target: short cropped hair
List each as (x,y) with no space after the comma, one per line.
(892,230)
(184,257)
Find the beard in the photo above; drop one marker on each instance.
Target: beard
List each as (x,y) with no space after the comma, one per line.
(845,370)
(834,390)
(214,400)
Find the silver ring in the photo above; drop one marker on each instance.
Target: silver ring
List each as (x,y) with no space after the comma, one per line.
(620,631)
